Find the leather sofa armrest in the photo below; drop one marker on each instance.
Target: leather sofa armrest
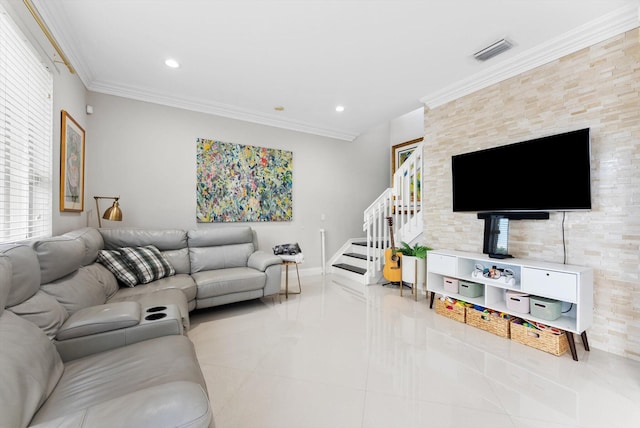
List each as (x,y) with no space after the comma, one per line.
(100,319)
(153,322)
(261,260)
(176,404)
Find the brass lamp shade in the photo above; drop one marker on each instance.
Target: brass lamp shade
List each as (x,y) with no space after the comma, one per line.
(113,213)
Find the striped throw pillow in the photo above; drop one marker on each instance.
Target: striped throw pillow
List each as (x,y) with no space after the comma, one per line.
(116,264)
(147,262)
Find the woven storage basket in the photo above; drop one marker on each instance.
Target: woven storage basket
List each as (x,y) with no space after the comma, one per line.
(455,312)
(556,344)
(492,324)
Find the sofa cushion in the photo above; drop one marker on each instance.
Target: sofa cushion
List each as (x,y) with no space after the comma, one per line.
(181,281)
(113,260)
(98,378)
(92,240)
(5,280)
(220,236)
(44,311)
(25,273)
(104,277)
(77,291)
(31,368)
(163,239)
(179,259)
(175,404)
(227,281)
(226,256)
(147,262)
(58,256)
(220,248)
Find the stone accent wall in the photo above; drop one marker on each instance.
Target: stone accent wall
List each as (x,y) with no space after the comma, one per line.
(597,88)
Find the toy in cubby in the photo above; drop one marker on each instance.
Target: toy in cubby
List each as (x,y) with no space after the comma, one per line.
(504,275)
(452,308)
(539,336)
(537,326)
(490,320)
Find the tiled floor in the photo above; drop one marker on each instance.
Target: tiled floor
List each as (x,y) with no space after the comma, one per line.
(332,358)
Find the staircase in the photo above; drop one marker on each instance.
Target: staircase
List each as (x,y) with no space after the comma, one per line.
(362,260)
(352,261)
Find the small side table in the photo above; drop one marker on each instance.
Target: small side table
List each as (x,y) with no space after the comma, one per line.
(286,264)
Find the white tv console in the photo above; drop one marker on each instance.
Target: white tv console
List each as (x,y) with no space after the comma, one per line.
(573,285)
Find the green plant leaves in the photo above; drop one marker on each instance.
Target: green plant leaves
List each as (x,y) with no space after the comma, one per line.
(419,251)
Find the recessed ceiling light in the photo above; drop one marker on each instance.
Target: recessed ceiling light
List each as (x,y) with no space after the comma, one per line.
(339,109)
(172,63)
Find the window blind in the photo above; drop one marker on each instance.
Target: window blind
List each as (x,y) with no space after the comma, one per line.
(25,136)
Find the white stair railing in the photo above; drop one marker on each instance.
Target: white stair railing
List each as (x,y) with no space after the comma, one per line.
(376,227)
(407,189)
(403,203)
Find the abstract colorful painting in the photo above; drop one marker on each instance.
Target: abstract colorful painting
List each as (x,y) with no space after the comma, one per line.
(237,183)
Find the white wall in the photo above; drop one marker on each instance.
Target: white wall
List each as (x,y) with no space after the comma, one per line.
(68,94)
(407,127)
(146,154)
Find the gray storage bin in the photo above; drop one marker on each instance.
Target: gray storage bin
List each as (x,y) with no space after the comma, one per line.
(470,289)
(546,309)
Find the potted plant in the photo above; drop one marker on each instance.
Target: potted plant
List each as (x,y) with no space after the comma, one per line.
(414,258)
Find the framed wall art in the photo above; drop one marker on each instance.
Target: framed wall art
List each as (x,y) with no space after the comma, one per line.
(71,164)
(238,183)
(400,153)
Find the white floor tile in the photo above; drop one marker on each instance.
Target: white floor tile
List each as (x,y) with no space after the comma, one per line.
(320,355)
(278,402)
(223,383)
(332,357)
(387,411)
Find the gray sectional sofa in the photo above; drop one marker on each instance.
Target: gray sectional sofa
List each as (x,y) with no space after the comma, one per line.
(218,266)
(80,349)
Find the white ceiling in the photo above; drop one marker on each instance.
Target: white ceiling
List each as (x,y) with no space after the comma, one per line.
(380,59)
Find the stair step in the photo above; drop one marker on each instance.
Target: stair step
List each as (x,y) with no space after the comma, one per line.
(357,256)
(378,244)
(350,268)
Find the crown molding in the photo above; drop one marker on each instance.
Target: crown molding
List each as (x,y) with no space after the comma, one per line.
(56,27)
(589,34)
(218,109)
(46,10)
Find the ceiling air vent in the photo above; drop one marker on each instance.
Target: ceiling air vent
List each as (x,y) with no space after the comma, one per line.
(493,50)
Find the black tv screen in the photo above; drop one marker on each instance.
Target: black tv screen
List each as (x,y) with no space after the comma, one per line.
(545,174)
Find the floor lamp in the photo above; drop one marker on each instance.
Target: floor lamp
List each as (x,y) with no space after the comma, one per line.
(113,213)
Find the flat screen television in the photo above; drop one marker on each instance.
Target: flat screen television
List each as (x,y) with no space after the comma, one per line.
(544,174)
